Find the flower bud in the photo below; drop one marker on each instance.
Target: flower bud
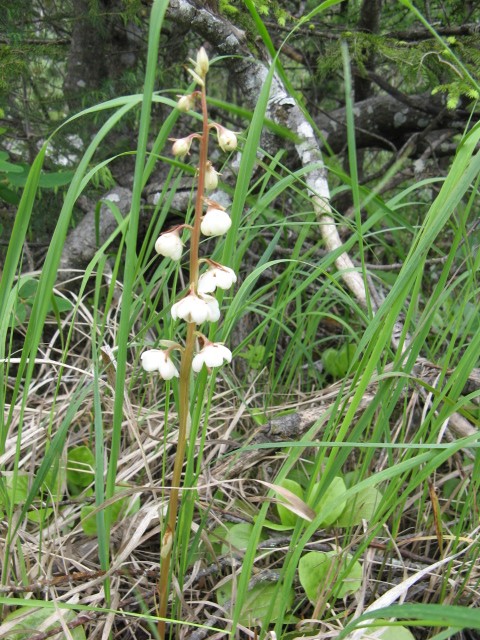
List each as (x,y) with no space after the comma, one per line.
(196,77)
(181,147)
(213,354)
(169,245)
(215,222)
(186,103)
(218,276)
(211,177)
(196,309)
(158,360)
(227,140)
(202,64)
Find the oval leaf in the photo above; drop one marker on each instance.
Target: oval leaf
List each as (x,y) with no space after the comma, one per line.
(292,502)
(360,507)
(80,466)
(288,518)
(319,572)
(257,602)
(330,503)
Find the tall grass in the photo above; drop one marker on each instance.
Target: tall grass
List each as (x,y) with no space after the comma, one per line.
(278,321)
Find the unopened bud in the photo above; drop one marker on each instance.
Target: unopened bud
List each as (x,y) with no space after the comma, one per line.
(211,177)
(227,140)
(202,64)
(181,147)
(185,103)
(169,245)
(198,79)
(215,222)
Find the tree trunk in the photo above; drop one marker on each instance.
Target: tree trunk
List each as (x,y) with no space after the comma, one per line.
(86,65)
(369,22)
(101,48)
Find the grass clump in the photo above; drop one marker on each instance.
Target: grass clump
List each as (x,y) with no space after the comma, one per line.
(329,472)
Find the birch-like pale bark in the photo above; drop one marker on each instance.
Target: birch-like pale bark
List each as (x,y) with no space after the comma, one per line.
(250,74)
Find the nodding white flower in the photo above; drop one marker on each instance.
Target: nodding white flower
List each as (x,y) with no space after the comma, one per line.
(202,63)
(185,103)
(227,140)
(213,308)
(158,360)
(169,245)
(215,222)
(211,177)
(181,147)
(213,354)
(218,276)
(196,309)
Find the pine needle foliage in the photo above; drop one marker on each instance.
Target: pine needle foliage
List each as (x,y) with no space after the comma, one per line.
(422,65)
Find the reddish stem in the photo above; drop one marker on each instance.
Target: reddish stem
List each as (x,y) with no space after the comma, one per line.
(184,382)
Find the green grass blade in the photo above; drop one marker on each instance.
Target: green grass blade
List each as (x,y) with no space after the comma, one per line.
(156,20)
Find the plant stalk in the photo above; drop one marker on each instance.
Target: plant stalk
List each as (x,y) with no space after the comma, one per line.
(184,384)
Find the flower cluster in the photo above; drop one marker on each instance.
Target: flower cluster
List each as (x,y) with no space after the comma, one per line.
(211,220)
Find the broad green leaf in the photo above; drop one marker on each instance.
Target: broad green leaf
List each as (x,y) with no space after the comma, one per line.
(21,311)
(17,491)
(55,482)
(257,602)
(345,357)
(274,526)
(62,304)
(387,633)
(337,362)
(287,517)
(319,572)
(52,489)
(360,507)
(80,466)
(28,289)
(6,166)
(424,615)
(9,196)
(119,509)
(330,362)
(237,537)
(39,515)
(216,537)
(30,619)
(46,181)
(330,503)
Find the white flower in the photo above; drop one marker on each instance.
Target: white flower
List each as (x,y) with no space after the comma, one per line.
(181,147)
(196,309)
(169,245)
(213,355)
(227,140)
(158,360)
(211,177)
(215,222)
(221,277)
(185,103)
(213,307)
